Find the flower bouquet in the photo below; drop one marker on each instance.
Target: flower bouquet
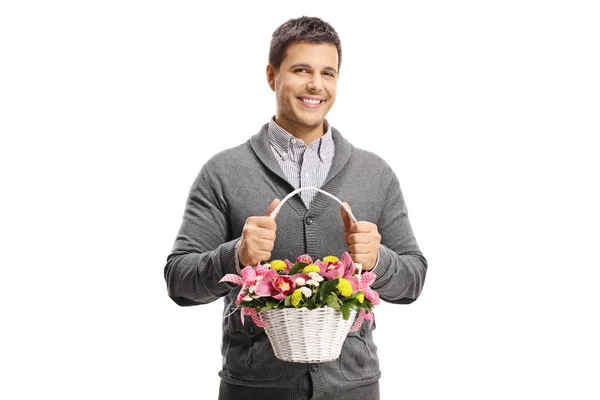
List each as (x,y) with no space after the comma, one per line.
(308,307)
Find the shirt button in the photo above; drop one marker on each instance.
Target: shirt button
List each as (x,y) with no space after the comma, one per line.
(307,175)
(308,220)
(294,141)
(314,367)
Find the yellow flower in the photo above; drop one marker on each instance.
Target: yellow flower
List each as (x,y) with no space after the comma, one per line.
(344,287)
(360,297)
(278,265)
(296,297)
(311,268)
(330,259)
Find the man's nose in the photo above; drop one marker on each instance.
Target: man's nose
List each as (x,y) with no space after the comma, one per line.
(315,84)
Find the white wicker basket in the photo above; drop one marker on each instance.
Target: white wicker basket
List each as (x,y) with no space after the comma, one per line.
(301,335)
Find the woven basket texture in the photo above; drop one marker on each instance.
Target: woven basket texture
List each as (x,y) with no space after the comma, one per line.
(301,335)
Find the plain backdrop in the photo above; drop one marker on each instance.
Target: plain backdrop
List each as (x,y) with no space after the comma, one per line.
(487,112)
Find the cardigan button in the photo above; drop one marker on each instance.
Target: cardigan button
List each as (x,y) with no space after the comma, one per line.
(308,220)
(314,367)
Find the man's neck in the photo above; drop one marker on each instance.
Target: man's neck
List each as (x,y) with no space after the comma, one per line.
(307,135)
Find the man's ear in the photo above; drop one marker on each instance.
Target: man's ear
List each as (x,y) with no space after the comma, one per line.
(271,76)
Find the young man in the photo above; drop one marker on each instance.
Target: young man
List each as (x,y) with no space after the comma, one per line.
(225,228)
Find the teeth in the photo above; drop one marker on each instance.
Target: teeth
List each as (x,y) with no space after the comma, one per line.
(310,101)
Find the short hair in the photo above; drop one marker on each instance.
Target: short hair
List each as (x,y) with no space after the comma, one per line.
(303,29)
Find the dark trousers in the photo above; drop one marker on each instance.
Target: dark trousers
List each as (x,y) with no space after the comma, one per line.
(228,391)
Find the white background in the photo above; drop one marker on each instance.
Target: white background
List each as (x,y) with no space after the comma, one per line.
(486,111)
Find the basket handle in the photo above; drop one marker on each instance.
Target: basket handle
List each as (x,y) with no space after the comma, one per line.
(286,198)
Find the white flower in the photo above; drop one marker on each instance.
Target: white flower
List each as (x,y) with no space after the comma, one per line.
(315,276)
(300,281)
(247,298)
(312,282)
(252,288)
(259,278)
(306,291)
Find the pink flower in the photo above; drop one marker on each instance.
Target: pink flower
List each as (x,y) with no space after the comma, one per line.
(343,268)
(288,266)
(331,271)
(305,258)
(274,285)
(284,285)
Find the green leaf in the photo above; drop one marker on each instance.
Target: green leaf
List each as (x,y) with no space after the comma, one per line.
(345,311)
(297,267)
(326,288)
(311,302)
(271,304)
(288,301)
(333,301)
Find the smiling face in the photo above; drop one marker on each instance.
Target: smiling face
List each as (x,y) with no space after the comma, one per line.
(305,87)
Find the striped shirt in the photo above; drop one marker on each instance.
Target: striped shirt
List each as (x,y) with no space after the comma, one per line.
(303,166)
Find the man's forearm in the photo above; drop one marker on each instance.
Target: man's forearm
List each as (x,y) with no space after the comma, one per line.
(193,278)
(400,278)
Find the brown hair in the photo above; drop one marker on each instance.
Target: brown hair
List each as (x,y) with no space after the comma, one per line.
(303,29)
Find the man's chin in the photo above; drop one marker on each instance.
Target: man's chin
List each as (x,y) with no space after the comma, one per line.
(312,123)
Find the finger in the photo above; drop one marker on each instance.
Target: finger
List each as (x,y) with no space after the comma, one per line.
(262,222)
(260,245)
(345,217)
(355,238)
(266,234)
(272,207)
(361,248)
(363,227)
(367,262)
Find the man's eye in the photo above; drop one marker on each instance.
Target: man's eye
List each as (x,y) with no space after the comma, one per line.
(301,70)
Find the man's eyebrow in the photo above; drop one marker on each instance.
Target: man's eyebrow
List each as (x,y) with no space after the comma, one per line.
(302,65)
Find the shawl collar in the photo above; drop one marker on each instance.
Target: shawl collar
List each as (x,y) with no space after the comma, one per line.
(261,147)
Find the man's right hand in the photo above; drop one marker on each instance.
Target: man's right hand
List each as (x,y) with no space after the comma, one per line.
(258,238)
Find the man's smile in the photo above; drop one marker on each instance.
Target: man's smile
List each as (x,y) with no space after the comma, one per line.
(311,102)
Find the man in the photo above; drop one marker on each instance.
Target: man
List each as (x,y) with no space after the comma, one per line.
(225,226)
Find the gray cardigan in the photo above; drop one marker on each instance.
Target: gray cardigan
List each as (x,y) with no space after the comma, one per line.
(241,182)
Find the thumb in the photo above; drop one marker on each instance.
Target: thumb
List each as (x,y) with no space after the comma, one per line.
(346,217)
(274,204)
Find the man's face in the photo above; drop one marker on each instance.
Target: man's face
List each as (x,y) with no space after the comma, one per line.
(305,87)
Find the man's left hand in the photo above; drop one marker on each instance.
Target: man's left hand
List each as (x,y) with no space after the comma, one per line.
(363,240)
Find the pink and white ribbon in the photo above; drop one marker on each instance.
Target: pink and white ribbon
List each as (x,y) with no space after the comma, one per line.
(361,317)
(366,280)
(238,280)
(254,315)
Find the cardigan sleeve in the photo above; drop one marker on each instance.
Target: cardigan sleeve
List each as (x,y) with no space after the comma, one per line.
(204,250)
(401,267)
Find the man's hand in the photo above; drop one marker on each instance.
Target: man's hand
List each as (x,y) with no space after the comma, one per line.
(258,238)
(362,239)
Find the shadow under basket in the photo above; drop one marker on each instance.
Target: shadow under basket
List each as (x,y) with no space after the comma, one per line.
(301,335)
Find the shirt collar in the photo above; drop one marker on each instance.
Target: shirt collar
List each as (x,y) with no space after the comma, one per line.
(280,140)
